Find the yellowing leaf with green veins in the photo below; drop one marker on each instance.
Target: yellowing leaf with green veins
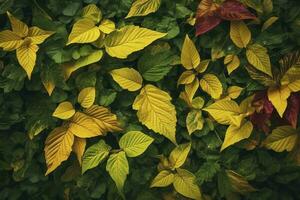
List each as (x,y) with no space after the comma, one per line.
(258,57)
(86,97)
(235,134)
(156,112)
(118,168)
(186,77)
(240,34)
(26,55)
(18,27)
(128,78)
(37,35)
(163,179)
(211,84)
(10,41)
(238,183)
(179,155)
(232,62)
(269,23)
(104,118)
(278,97)
(79,148)
(58,147)
(92,12)
(70,67)
(134,143)
(234,91)
(143,7)
(198,103)
(194,121)
(64,110)
(225,112)
(83,31)
(94,155)
(121,43)
(191,89)
(185,184)
(190,57)
(282,138)
(107,26)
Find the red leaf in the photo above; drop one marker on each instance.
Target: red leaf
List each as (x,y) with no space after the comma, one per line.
(206,23)
(234,10)
(292,111)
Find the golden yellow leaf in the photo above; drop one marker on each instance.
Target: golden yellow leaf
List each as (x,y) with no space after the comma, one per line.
(282,138)
(191,89)
(79,147)
(26,55)
(49,86)
(240,34)
(235,134)
(278,96)
(38,35)
(185,184)
(232,63)
(92,12)
(163,179)
(190,57)
(155,110)
(234,91)
(9,40)
(128,78)
(268,23)
(129,39)
(211,84)
(143,7)
(107,26)
(84,31)
(64,110)
(104,118)
(203,66)
(58,147)
(18,27)
(179,155)
(257,56)
(186,77)
(194,121)
(86,97)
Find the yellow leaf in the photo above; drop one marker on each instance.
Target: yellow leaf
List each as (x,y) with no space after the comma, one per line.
(163,179)
(118,169)
(49,86)
(267,6)
(240,34)
(190,57)
(191,89)
(9,40)
(268,23)
(38,35)
(129,39)
(234,92)
(106,121)
(211,84)
(203,66)
(128,78)
(235,134)
(26,55)
(225,112)
(186,77)
(143,7)
(83,31)
(79,147)
(257,56)
(87,97)
(155,110)
(70,67)
(179,155)
(92,12)
(194,121)
(58,147)
(18,27)
(185,184)
(282,138)
(64,110)
(232,63)
(107,26)
(278,96)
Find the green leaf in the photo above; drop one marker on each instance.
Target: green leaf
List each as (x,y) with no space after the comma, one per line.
(207,171)
(94,155)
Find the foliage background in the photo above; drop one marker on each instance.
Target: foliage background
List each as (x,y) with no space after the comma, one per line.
(23,102)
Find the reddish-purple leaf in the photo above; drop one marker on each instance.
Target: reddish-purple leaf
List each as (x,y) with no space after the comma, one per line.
(292,111)
(206,23)
(234,10)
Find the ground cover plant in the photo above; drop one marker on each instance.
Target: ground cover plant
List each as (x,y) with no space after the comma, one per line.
(149,99)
